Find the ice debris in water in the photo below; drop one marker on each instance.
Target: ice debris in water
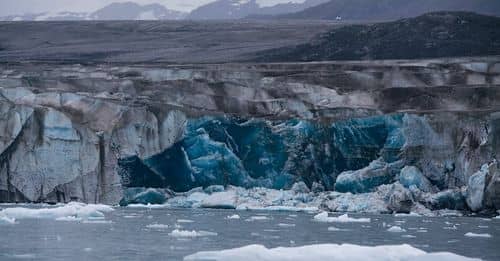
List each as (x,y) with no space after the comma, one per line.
(286,225)
(184,221)
(470,234)
(323,217)
(396,229)
(235,216)
(331,252)
(255,218)
(157,226)
(192,233)
(7,221)
(69,211)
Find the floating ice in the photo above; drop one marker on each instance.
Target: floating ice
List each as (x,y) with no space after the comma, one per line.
(411,214)
(235,216)
(332,252)
(255,218)
(396,229)
(69,218)
(323,217)
(286,225)
(69,211)
(408,236)
(7,221)
(192,233)
(157,226)
(470,234)
(184,221)
(222,200)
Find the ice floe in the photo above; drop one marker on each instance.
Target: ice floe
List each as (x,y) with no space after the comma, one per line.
(396,229)
(286,225)
(323,217)
(192,233)
(235,216)
(70,212)
(256,218)
(7,221)
(157,226)
(332,252)
(484,235)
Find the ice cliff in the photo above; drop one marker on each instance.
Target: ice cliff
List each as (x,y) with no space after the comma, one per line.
(408,133)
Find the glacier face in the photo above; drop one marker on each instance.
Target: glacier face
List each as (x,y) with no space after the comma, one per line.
(275,154)
(103,133)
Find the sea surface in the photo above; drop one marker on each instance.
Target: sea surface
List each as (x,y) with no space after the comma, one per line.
(127,235)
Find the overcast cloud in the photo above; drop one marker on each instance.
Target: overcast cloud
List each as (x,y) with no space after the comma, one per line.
(12,7)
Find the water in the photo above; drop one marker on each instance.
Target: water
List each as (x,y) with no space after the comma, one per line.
(128,238)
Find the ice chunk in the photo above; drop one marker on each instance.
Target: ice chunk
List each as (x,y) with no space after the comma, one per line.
(157,226)
(235,216)
(396,229)
(475,188)
(256,218)
(7,221)
(367,179)
(73,209)
(192,233)
(142,196)
(470,234)
(286,225)
(69,218)
(184,221)
(300,187)
(411,214)
(223,200)
(331,252)
(412,176)
(323,217)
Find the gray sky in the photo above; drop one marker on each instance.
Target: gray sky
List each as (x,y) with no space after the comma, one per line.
(12,7)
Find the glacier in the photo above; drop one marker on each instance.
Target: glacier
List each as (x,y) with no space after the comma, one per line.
(350,138)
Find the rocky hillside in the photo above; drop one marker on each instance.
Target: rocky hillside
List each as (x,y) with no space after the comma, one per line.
(418,130)
(441,34)
(369,10)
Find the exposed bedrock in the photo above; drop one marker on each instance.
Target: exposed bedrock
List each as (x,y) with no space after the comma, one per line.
(421,131)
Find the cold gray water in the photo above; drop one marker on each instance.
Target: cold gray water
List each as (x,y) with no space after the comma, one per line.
(127,236)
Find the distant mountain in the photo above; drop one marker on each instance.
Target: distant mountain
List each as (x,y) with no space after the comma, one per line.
(114,11)
(391,9)
(236,9)
(440,34)
(60,16)
(133,11)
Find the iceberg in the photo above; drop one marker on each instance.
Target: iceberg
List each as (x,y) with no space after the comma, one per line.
(333,252)
(71,210)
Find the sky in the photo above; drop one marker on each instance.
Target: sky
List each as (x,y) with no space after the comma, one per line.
(13,7)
